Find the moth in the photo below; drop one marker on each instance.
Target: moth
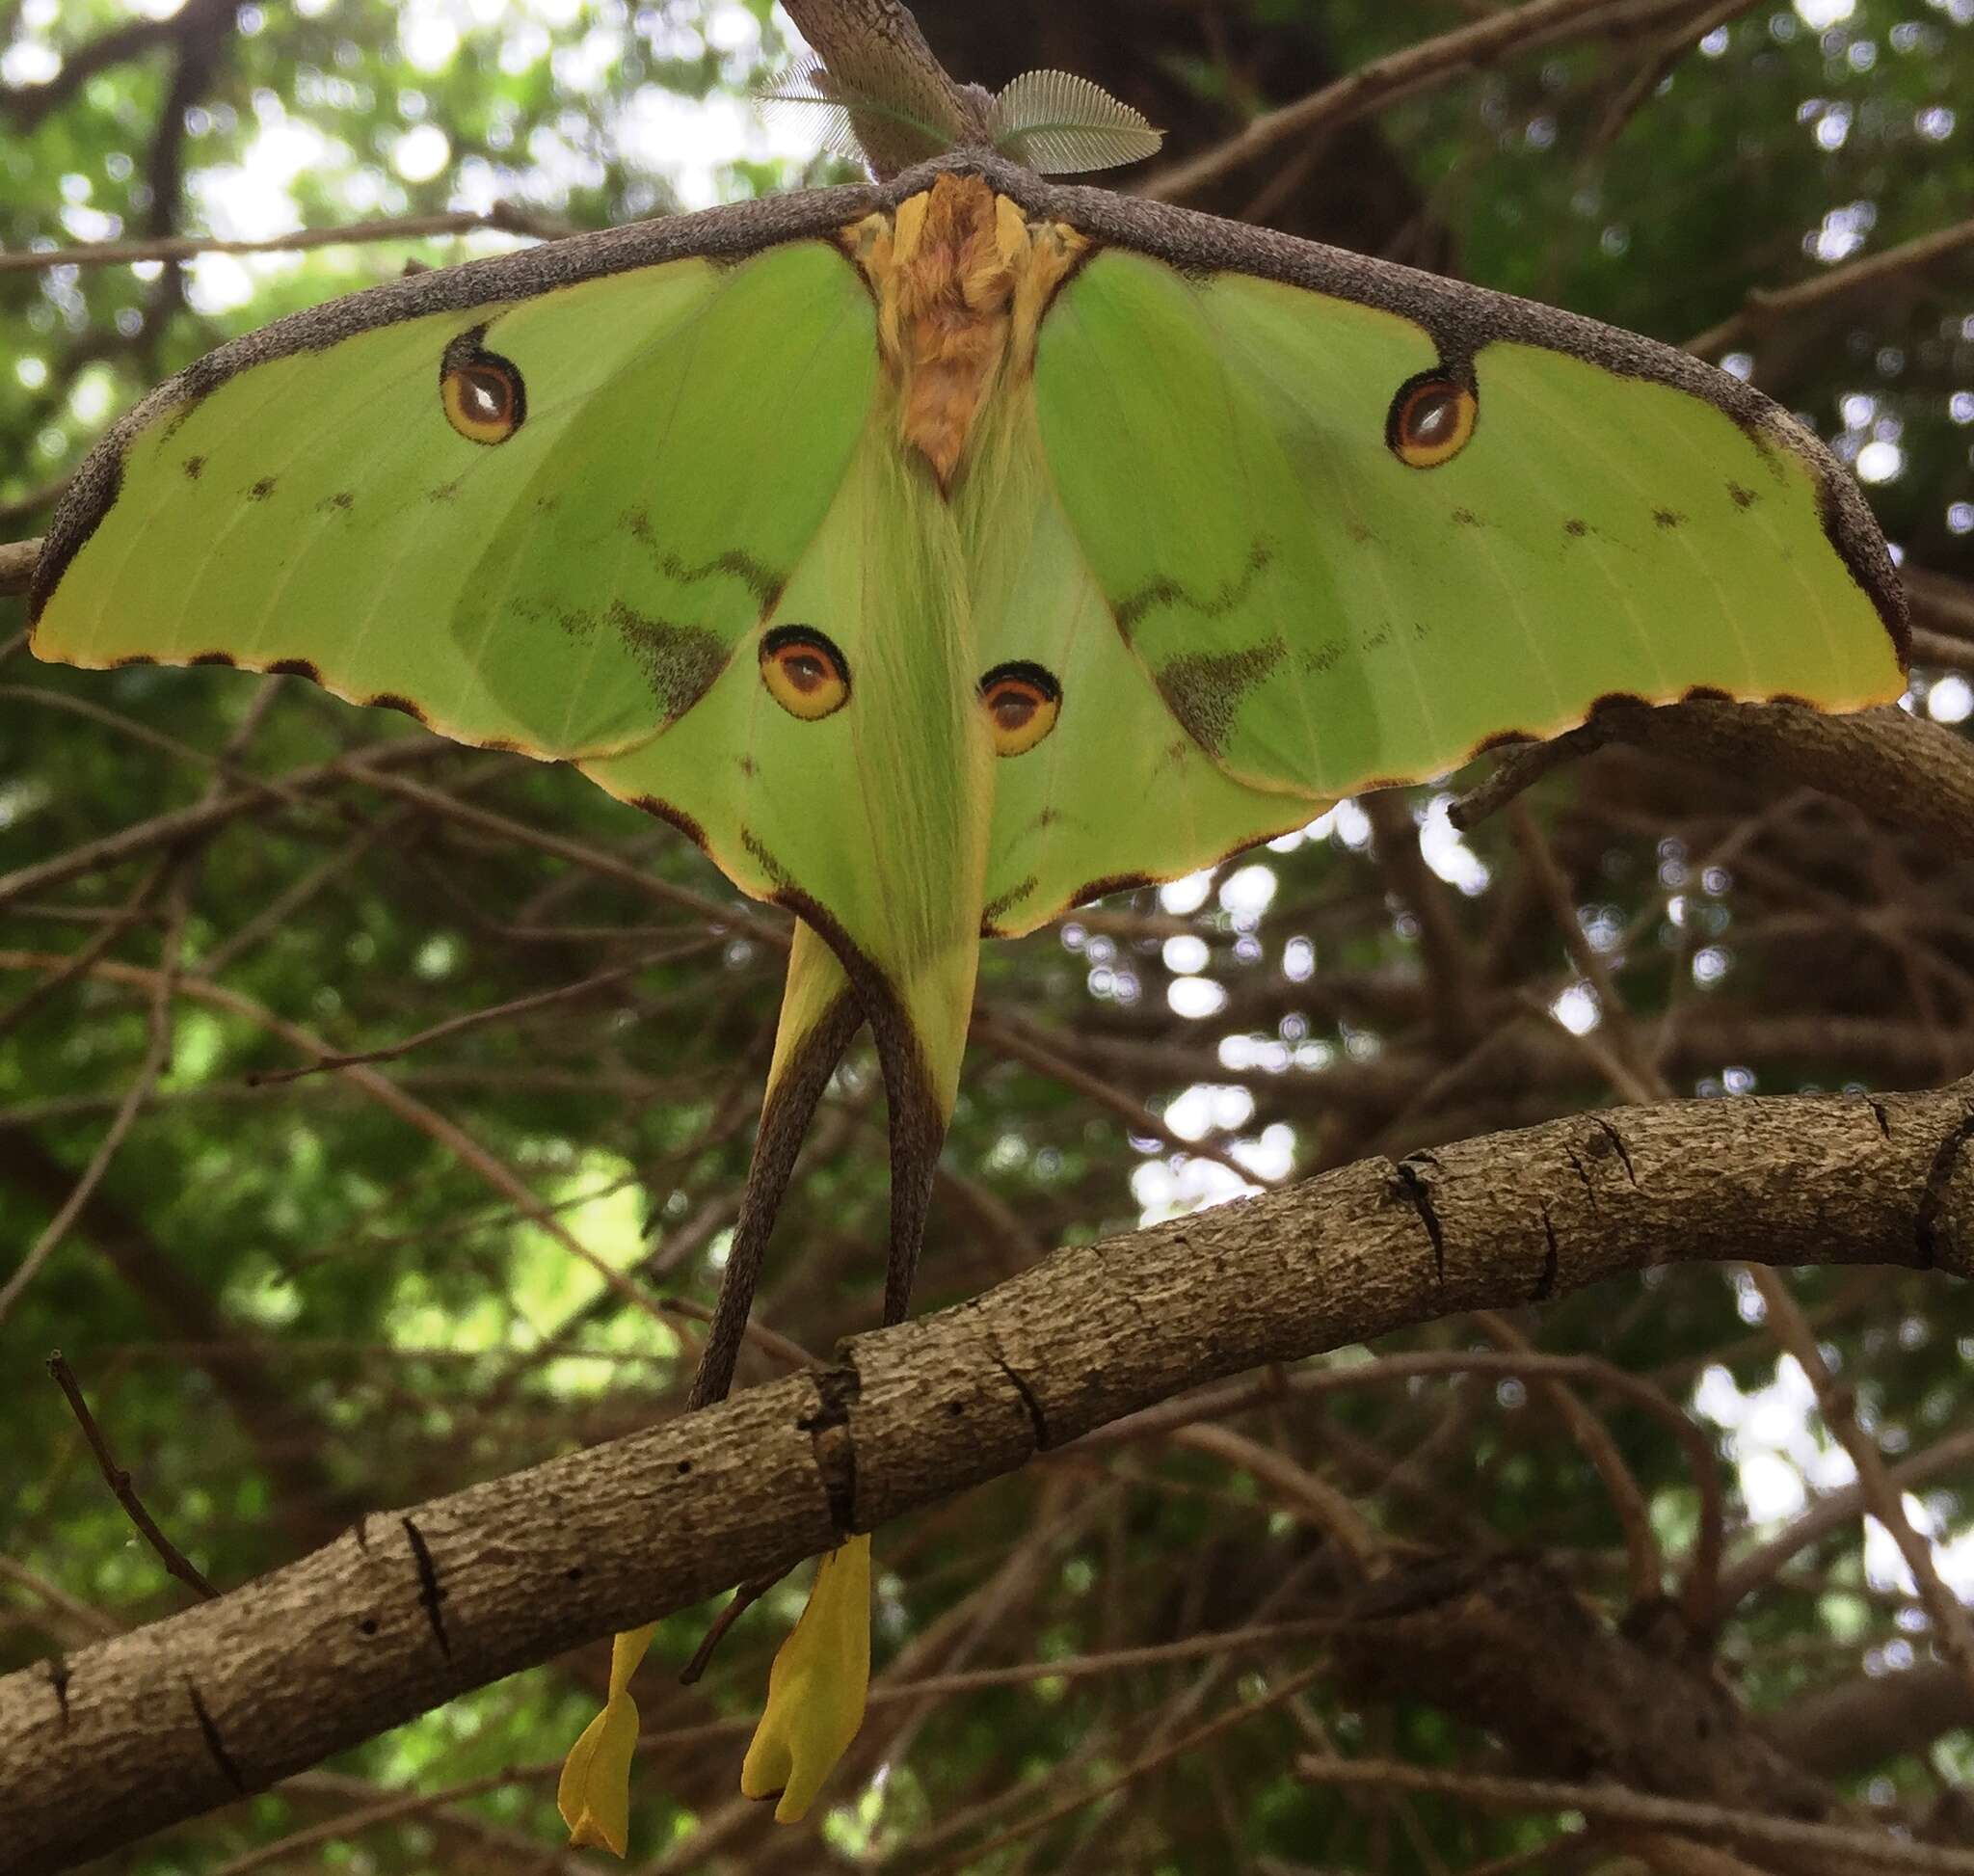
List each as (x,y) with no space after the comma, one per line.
(944,553)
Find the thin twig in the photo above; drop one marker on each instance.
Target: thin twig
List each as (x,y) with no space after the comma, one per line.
(83,1615)
(1005,1037)
(1172,1749)
(1614,1803)
(1630,1503)
(472,1019)
(1763,308)
(366,767)
(1397,76)
(1836,1402)
(503,218)
(745,1595)
(435,1126)
(1654,69)
(737,915)
(1242,1396)
(158,1052)
(119,1481)
(672,1740)
(790,1353)
(1832,1511)
(1357,1540)
(1590,964)
(1520,767)
(39,698)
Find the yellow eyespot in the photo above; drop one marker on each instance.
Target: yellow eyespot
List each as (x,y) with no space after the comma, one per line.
(1022,702)
(804,672)
(1430,420)
(482,392)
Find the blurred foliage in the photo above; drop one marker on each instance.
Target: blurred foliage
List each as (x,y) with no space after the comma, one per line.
(287,1305)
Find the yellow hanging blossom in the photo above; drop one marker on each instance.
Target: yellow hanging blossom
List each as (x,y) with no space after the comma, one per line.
(817,1687)
(594,1795)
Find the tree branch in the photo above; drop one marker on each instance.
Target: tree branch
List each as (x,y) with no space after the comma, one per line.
(118,1479)
(1613,1804)
(1907,772)
(1763,307)
(503,218)
(873,49)
(1404,74)
(405,1612)
(27,107)
(17,566)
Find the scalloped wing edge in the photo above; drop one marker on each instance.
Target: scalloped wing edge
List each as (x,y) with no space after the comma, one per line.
(1311,807)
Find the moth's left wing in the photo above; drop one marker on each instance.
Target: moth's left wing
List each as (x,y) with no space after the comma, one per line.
(1100,789)
(631,503)
(1355,524)
(540,519)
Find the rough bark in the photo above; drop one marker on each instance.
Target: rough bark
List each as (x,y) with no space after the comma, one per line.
(407,1610)
(1912,774)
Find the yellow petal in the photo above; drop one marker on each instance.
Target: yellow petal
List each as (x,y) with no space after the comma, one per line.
(817,1687)
(594,1795)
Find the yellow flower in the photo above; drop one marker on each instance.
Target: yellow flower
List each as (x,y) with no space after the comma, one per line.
(817,1687)
(594,1795)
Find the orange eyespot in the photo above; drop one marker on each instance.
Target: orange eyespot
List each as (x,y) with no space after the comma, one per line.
(1430,420)
(1022,702)
(482,392)
(804,672)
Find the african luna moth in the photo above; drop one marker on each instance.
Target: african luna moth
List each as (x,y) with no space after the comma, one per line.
(942,553)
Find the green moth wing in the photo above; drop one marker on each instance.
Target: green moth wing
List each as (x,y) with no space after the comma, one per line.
(1115,792)
(568,579)
(1272,522)
(677,469)
(1376,520)
(1243,524)
(632,502)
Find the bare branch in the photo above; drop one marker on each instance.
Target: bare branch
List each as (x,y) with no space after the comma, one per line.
(18,567)
(1909,773)
(1832,1511)
(118,1479)
(27,107)
(1763,308)
(1613,1804)
(503,218)
(1404,74)
(162,832)
(873,49)
(1837,1404)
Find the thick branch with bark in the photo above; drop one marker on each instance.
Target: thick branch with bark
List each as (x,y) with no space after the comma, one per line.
(1909,772)
(408,1609)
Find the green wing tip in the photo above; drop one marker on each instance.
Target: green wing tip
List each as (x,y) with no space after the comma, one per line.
(1058,124)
